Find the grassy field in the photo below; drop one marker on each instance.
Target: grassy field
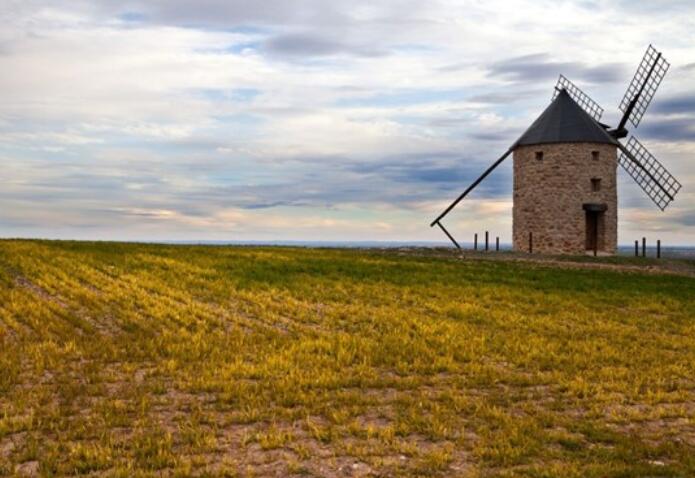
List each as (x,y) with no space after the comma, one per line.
(151,360)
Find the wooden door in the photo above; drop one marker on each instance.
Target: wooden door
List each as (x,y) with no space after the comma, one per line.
(591,230)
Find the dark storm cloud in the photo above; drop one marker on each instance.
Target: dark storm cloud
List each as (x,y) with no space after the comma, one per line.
(668,129)
(414,173)
(428,173)
(507,135)
(675,105)
(401,179)
(606,73)
(540,66)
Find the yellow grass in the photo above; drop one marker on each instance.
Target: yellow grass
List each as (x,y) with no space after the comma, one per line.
(150,360)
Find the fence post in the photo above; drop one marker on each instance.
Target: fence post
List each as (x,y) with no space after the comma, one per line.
(658,248)
(475,242)
(644,247)
(530,242)
(497,244)
(636,248)
(487,248)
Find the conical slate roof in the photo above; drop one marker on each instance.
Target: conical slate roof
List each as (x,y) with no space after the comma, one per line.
(564,121)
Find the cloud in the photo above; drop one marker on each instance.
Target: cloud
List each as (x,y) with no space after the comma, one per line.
(668,129)
(231,13)
(507,96)
(429,176)
(269,205)
(305,45)
(685,218)
(681,104)
(540,66)
(5,47)
(224,119)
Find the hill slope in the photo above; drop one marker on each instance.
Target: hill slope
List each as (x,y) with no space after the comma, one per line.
(139,360)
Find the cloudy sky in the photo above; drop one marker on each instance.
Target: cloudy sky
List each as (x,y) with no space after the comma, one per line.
(308,119)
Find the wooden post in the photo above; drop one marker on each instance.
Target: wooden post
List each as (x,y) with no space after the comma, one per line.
(451,238)
(636,248)
(475,242)
(487,248)
(530,243)
(497,244)
(658,248)
(644,247)
(595,247)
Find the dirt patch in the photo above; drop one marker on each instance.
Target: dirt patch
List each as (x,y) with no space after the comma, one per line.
(29,468)
(24,283)
(7,446)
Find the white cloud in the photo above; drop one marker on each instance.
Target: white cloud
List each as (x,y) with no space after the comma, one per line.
(216,115)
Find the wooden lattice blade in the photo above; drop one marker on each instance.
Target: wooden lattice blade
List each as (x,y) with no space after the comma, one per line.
(649,173)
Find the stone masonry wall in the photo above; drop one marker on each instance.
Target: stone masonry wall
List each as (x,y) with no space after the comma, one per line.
(549,194)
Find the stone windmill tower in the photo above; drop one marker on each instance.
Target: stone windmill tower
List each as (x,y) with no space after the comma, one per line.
(565,172)
(565,169)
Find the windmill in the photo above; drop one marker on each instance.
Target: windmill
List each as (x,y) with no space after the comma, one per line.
(565,167)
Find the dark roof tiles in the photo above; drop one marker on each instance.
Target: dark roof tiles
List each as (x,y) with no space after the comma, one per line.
(564,121)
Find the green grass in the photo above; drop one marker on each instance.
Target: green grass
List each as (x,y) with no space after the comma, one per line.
(151,360)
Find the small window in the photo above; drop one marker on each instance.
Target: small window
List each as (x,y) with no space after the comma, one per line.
(594,155)
(595,184)
(539,155)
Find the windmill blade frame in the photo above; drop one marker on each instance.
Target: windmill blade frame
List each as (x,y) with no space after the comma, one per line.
(642,88)
(654,179)
(581,98)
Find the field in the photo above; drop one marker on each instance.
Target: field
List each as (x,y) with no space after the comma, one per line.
(152,360)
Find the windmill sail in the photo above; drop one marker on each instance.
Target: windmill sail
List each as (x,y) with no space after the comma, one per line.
(643,86)
(581,98)
(649,173)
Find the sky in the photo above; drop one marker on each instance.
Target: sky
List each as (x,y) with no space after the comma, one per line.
(346,120)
